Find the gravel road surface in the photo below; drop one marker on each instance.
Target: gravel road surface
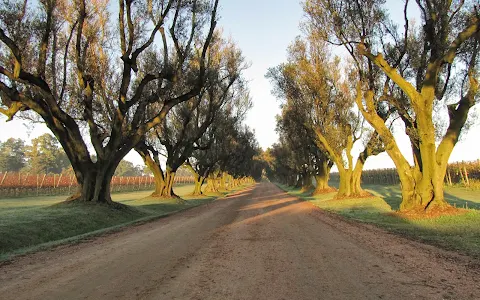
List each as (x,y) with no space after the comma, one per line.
(260,243)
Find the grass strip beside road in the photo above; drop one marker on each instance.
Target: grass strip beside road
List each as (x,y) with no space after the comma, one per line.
(32,223)
(458,233)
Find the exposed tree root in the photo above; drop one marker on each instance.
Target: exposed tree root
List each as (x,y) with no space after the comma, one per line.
(159,198)
(352,196)
(430,213)
(324,191)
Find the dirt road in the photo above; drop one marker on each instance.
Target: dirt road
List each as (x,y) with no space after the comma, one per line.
(259,244)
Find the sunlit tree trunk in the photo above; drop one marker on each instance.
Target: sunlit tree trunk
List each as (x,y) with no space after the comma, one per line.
(322,177)
(223,180)
(211,186)
(154,166)
(373,147)
(199,180)
(350,176)
(357,176)
(169,181)
(345,185)
(422,184)
(345,173)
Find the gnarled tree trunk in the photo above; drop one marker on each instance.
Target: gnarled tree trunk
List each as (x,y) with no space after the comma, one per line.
(169,181)
(345,185)
(94,181)
(223,181)
(422,184)
(321,179)
(211,184)
(373,147)
(306,184)
(299,181)
(154,166)
(199,180)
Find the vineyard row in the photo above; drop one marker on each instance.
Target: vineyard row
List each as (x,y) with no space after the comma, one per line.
(22,184)
(463,173)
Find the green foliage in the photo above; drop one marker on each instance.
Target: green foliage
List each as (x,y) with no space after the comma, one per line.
(43,156)
(58,63)
(231,147)
(126,168)
(12,155)
(46,156)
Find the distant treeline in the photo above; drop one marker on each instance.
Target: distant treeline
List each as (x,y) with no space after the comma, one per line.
(45,155)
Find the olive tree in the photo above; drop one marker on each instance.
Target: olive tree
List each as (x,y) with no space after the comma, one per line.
(431,64)
(297,135)
(312,83)
(92,80)
(179,134)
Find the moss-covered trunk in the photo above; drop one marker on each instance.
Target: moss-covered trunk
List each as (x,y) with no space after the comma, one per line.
(199,180)
(422,190)
(345,185)
(169,181)
(159,180)
(349,180)
(154,166)
(223,181)
(211,184)
(422,184)
(321,179)
(357,173)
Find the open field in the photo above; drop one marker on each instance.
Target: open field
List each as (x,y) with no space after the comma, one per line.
(460,233)
(35,222)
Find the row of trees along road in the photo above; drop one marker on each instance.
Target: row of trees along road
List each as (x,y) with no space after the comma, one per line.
(423,74)
(158,73)
(180,134)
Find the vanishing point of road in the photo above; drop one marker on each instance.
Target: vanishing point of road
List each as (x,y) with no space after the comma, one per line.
(260,243)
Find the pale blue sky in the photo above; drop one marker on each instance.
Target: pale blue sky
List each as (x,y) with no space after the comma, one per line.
(263,30)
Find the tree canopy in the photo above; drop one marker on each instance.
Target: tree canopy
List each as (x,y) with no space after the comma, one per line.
(12,155)
(92,80)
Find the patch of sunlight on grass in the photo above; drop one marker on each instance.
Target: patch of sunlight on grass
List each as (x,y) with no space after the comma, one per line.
(364,205)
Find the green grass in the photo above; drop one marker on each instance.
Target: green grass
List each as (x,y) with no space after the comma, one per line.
(27,224)
(459,233)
